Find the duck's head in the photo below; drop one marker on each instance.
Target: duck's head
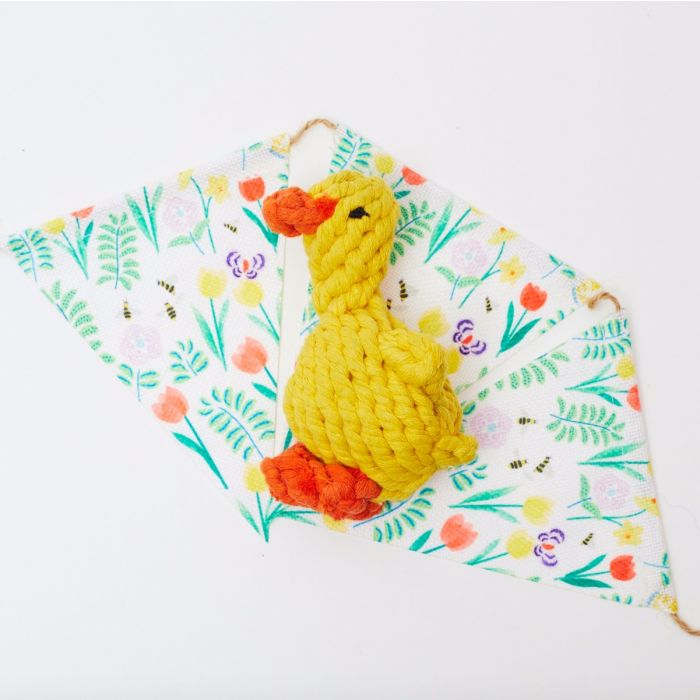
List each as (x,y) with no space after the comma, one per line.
(347,222)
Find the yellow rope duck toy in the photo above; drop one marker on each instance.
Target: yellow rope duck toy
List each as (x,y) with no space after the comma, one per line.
(369,399)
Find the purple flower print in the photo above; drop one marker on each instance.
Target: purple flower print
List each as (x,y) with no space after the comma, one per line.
(181,214)
(546,547)
(611,492)
(242,267)
(140,344)
(468,343)
(490,427)
(468,257)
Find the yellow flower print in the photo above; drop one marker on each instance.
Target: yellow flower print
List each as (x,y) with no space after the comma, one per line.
(254,480)
(280,144)
(333,524)
(537,509)
(519,545)
(249,293)
(433,323)
(511,270)
(503,235)
(625,368)
(212,283)
(217,187)
(629,533)
(665,602)
(586,290)
(183,178)
(384,163)
(55,226)
(453,360)
(648,504)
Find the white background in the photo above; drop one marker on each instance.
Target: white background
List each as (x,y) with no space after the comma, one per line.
(122,574)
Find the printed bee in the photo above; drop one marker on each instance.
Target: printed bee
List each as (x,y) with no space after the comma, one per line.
(542,465)
(523,420)
(403,290)
(231,227)
(587,539)
(126,311)
(170,310)
(489,305)
(388,304)
(167,286)
(518,463)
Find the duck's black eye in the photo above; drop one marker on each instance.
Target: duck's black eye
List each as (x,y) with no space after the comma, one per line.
(358,213)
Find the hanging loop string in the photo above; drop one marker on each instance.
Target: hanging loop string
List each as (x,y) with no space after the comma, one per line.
(593,301)
(685,626)
(310,124)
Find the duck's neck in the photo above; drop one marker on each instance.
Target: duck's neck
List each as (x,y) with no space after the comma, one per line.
(327,297)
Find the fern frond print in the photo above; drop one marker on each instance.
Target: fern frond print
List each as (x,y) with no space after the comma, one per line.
(605,340)
(414,223)
(32,252)
(352,152)
(116,252)
(188,362)
(585,422)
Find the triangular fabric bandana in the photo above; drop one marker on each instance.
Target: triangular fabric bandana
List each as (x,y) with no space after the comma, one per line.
(177,286)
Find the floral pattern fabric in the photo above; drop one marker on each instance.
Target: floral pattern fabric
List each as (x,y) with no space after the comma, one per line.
(177,287)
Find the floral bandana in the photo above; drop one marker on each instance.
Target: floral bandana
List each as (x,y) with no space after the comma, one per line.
(177,288)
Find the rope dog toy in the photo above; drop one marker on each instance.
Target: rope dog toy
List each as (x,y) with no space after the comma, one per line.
(369,399)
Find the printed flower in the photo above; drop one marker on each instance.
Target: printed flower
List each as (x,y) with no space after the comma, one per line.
(629,533)
(242,267)
(490,427)
(252,189)
(665,602)
(55,226)
(537,509)
(254,480)
(217,188)
(532,297)
(457,534)
(587,289)
(468,344)
(633,398)
(433,323)
(625,368)
(250,356)
(511,270)
(468,256)
(249,293)
(384,163)
(140,344)
(82,213)
(280,144)
(611,492)
(333,524)
(622,568)
(520,545)
(180,214)
(171,406)
(412,177)
(546,549)
(183,178)
(503,235)
(212,283)
(647,503)
(453,360)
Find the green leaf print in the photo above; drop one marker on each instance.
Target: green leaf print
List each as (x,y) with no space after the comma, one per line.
(483,501)
(597,385)
(605,340)
(586,422)
(584,576)
(535,372)
(188,361)
(413,224)
(145,217)
(140,379)
(242,425)
(441,235)
(465,476)
(351,153)
(32,252)
(192,238)
(116,252)
(616,458)
(77,247)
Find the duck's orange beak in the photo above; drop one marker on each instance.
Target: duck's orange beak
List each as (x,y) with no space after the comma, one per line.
(293,212)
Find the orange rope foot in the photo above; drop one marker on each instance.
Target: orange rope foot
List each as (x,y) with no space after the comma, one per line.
(298,478)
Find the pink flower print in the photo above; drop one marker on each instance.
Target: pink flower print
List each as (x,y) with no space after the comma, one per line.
(490,426)
(181,214)
(140,344)
(468,257)
(611,492)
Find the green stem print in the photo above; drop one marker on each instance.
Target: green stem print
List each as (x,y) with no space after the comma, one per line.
(484,501)
(147,221)
(585,422)
(32,252)
(616,458)
(266,323)
(559,265)
(78,247)
(271,238)
(465,477)
(116,251)
(441,235)
(197,445)
(188,362)
(138,379)
(597,386)
(273,510)
(206,204)
(493,270)
(267,392)
(214,335)
(515,333)
(193,237)
(584,577)
(413,223)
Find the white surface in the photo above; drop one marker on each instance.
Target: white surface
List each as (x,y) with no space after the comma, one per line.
(126,576)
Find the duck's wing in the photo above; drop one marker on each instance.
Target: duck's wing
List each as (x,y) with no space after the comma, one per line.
(415,358)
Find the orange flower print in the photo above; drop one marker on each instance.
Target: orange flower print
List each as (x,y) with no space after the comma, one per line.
(82,213)
(252,189)
(171,407)
(622,568)
(457,534)
(412,177)
(532,297)
(633,398)
(250,356)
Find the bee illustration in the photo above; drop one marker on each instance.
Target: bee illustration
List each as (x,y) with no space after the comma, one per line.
(231,227)
(524,420)
(388,304)
(403,290)
(167,286)
(587,539)
(488,304)
(170,310)
(518,463)
(542,465)
(126,311)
